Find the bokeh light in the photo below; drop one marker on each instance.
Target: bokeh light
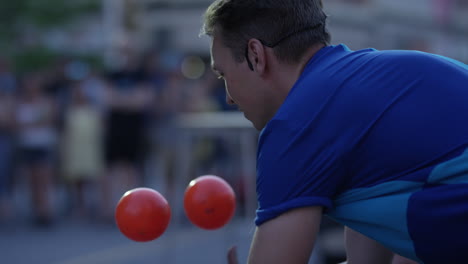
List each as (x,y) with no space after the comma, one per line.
(193,67)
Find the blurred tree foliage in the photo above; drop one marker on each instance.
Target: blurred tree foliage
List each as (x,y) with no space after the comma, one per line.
(20,17)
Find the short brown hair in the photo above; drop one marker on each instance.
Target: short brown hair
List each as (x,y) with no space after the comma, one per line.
(270,21)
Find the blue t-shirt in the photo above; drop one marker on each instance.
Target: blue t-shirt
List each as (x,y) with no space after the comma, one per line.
(380,139)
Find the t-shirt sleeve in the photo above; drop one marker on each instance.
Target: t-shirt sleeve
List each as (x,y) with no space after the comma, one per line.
(344,123)
(294,170)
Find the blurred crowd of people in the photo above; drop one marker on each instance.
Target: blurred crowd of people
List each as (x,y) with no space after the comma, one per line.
(70,126)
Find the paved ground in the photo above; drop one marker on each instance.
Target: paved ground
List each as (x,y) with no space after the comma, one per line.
(73,242)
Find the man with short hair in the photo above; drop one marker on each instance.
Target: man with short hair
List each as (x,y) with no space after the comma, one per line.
(376,140)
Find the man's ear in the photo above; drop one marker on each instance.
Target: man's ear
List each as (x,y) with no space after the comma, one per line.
(256,55)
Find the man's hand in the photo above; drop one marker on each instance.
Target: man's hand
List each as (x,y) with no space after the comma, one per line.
(232,255)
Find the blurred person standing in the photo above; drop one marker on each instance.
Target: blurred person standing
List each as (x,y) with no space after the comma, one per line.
(82,148)
(152,71)
(128,100)
(37,139)
(209,151)
(202,96)
(57,86)
(170,102)
(7,139)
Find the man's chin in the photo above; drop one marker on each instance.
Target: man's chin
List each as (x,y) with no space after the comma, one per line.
(256,125)
(246,117)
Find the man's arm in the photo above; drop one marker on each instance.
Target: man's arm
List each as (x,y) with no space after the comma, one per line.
(288,238)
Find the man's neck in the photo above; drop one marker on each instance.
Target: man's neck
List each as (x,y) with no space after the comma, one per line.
(307,57)
(289,74)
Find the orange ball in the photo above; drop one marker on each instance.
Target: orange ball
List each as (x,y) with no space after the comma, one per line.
(142,214)
(209,202)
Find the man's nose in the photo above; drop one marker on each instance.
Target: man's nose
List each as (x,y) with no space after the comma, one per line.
(229,100)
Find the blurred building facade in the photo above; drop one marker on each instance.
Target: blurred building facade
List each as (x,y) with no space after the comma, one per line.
(438,26)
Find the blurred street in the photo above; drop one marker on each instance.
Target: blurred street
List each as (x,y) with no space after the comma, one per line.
(74,239)
(73,242)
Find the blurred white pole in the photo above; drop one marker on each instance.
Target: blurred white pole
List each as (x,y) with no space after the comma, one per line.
(112,15)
